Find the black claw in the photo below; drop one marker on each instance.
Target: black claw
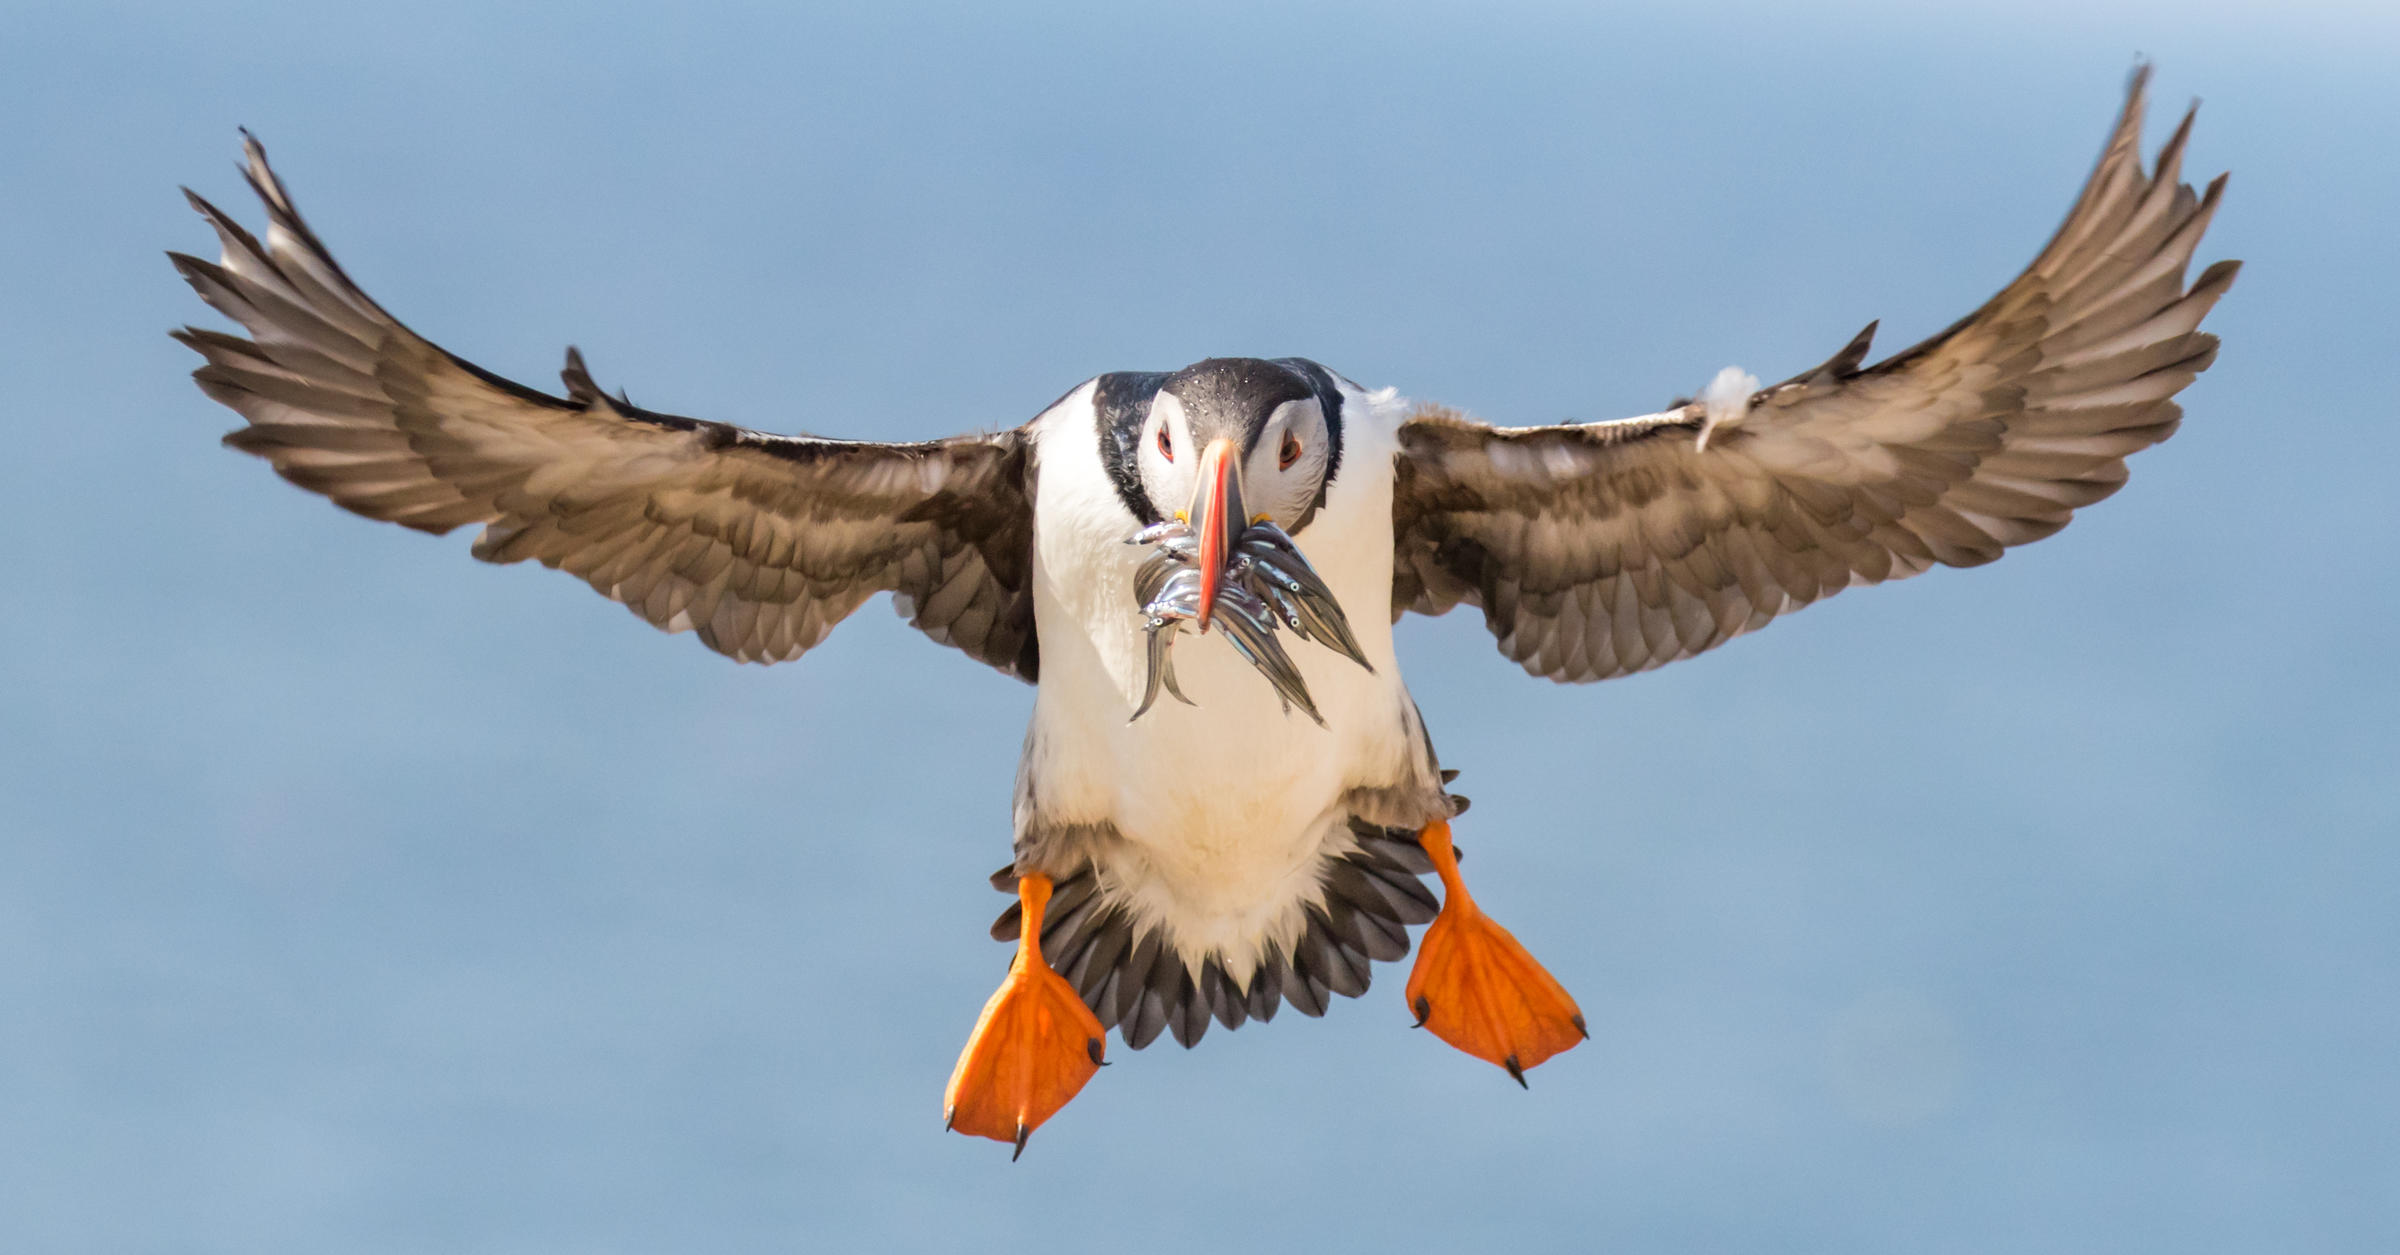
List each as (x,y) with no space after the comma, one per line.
(949,1118)
(1092,1047)
(1577,1021)
(1449,774)
(1457,855)
(1424,1011)
(1516,1073)
(1022,1134)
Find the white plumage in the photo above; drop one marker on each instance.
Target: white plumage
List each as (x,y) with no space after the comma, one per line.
(1725,402)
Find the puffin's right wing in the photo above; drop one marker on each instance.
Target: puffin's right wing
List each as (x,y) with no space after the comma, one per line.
(1598,549)
(757,543)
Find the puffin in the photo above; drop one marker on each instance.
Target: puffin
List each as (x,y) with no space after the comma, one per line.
(1227,801)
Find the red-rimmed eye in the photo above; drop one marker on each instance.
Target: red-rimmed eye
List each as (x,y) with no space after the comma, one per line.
(1290,452)
(1166,447)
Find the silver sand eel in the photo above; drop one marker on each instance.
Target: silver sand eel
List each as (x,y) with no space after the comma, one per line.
(1261,582)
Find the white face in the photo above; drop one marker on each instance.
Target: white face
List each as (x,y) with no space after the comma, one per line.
(1280,476)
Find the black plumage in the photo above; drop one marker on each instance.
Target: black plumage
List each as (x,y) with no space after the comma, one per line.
(1137,983)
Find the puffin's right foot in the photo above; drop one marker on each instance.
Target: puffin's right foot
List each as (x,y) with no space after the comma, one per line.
(1476,988)
(1032,1049)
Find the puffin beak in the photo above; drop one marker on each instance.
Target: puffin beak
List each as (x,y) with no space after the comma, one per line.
(1218,518)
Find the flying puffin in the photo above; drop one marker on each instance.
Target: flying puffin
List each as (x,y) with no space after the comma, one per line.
(1259,834)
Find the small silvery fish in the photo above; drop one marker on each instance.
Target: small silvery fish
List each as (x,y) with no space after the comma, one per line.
(1266,583)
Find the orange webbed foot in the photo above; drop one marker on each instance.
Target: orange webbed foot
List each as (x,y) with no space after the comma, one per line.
(1477,989)
(1032,1049)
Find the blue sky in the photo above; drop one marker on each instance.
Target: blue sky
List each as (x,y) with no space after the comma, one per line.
(355,896)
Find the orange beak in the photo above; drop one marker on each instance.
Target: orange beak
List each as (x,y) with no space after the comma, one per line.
(1217,516)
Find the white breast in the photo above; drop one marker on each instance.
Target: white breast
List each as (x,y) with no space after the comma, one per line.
(1225,808)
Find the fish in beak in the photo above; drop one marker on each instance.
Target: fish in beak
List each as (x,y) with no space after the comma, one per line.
(1217,567)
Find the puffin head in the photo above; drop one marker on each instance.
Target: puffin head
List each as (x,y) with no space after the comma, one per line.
(1248,447)
(1238,441)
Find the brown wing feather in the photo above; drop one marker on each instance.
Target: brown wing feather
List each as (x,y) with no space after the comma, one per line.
(1605,548)
(759,544)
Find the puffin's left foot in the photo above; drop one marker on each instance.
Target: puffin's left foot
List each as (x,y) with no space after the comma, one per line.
(1476,988)
(1032,1050)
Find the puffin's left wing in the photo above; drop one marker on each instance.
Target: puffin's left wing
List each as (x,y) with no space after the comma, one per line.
(757,543)
(1599,549)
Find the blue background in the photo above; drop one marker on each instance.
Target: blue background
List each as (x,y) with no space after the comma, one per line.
(355,896)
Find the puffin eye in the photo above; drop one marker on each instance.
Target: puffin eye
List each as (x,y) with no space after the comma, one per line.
(1166,447)
(1290,452)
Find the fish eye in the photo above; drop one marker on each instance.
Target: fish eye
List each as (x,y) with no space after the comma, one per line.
(1166,447)
(1290,452)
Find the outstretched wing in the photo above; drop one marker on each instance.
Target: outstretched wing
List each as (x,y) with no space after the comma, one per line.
(757,543)
(1600,549)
